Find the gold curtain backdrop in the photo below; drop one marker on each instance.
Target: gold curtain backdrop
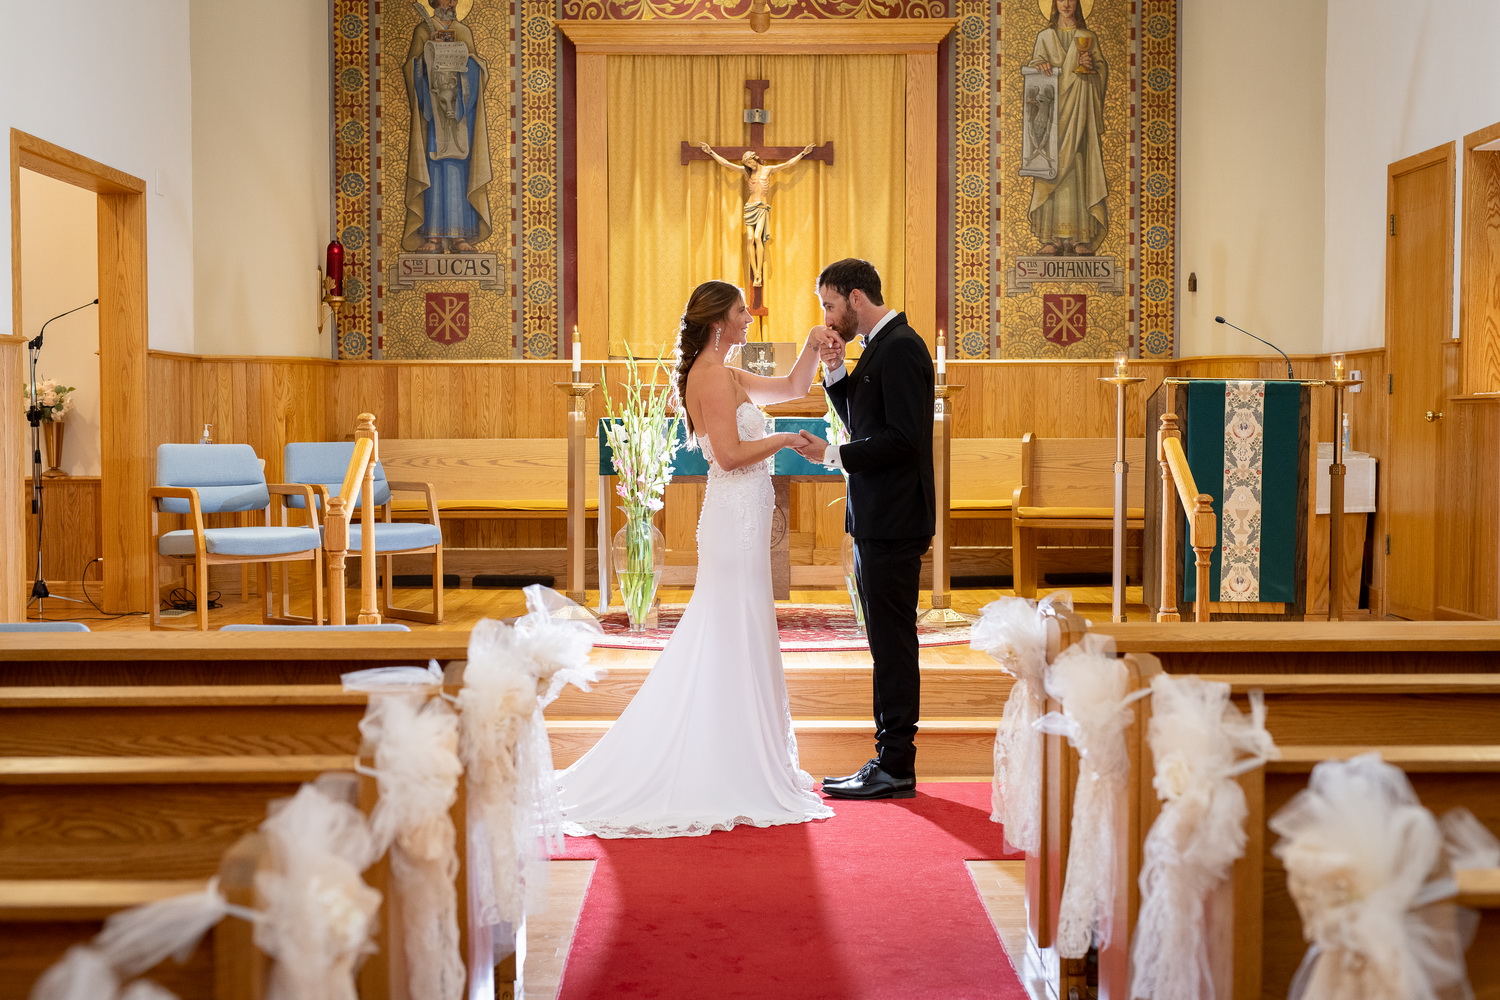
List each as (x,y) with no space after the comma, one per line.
(672,227)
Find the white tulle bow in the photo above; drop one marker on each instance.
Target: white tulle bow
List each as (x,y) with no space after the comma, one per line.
(515,820)
(1090,684)
(1015,632)
(1365,866)
(1200,743)
(134,941)
(415,742)
(319,913)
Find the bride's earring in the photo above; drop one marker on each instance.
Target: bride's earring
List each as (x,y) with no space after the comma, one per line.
(716,337)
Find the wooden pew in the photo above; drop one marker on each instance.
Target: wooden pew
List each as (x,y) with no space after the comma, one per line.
(1068,483)
(1267,932)
(984,475)
(481,481)
(1312,717)
(122,817)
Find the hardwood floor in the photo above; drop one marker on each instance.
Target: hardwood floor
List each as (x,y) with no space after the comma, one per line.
(465,607)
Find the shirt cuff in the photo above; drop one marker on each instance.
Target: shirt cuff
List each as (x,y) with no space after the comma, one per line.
(832,375)
(831,458)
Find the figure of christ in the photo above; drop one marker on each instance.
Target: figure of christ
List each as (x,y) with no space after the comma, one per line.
(757,202)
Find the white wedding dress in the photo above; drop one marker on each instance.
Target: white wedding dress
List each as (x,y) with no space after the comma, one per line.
(707,742)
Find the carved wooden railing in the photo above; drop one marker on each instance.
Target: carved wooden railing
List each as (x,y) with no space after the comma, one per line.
(359,476)
(1202,524)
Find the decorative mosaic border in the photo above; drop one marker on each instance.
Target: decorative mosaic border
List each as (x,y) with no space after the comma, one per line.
(1158,189)
(973,181)
(539,180)
(724,10)
(353,168)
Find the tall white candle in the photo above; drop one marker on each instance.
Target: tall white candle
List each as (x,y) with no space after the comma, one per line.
(577,356)
(942,354)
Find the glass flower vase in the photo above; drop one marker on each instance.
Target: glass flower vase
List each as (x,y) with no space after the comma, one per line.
(639,553)
(851,583)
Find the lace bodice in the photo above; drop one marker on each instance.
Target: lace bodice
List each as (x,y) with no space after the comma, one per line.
(751,424)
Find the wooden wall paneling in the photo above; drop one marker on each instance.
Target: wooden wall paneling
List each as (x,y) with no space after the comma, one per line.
(15,541)
(72,534)
(1479,280)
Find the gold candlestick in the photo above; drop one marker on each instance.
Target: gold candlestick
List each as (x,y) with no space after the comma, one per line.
(941,613)
(577,393)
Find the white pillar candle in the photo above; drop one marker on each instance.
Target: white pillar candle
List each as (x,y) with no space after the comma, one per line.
(942,354)
(577,356)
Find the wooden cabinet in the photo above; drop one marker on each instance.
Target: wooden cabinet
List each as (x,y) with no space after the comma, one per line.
(72,534)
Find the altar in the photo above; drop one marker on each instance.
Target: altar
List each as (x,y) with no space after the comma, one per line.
(690,466)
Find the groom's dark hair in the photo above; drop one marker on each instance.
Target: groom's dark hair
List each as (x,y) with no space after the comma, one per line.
(844,276)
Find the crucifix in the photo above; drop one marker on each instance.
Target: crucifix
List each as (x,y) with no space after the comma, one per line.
(752,160)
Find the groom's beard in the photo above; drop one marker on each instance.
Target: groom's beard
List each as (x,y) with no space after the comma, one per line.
(846,325)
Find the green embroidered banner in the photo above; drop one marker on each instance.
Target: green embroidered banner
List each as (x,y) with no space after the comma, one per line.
(1241,439)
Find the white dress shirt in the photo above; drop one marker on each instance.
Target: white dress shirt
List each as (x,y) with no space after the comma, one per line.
(832,375)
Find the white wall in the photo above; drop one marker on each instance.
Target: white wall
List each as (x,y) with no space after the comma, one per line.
(59,244)
(110,81)
(260,112)
(1250,176)
(1403,76)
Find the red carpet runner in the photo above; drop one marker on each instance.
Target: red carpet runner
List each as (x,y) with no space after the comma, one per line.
(875,903)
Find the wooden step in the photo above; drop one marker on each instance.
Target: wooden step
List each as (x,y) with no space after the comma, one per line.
(951,748)
(829,692)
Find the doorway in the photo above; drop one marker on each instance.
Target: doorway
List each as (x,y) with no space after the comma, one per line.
(125,464)
(1418,329)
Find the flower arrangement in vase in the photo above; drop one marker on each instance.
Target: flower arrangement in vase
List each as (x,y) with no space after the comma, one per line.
(643,440)
(53,402)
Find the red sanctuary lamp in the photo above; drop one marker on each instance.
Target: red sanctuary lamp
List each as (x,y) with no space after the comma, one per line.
(331,280)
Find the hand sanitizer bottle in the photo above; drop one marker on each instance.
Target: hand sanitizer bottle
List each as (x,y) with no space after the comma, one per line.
(208,433)
(1348,445)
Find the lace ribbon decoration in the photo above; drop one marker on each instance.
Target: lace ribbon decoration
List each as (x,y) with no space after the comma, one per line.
(1014,632)
(417,768)
(319,913)
(1200,743)
(515,820)
(1366,868)
(134,941)
(1090,684)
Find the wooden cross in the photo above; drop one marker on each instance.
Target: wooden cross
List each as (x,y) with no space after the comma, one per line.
(757,116)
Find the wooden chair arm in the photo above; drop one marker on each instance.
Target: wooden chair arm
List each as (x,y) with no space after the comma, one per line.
(175,492)
(302,490)
(426,489)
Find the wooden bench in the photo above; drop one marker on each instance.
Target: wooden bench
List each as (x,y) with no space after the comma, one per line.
(1069,483)
(482,481)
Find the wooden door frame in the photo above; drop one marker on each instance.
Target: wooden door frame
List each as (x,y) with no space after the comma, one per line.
(915,38)
(1446,153)
(123,428)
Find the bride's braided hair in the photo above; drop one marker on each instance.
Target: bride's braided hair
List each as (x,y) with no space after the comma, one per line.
(709,304)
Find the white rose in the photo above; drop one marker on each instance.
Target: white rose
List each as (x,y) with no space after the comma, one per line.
(1173,775)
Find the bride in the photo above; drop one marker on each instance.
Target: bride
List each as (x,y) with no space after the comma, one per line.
(707,743)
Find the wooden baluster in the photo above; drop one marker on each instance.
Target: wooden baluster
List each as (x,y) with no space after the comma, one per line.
(336,551)
(1167,607)
(1205,529)
(369,614)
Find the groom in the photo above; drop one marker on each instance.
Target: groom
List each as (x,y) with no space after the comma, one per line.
(886,403)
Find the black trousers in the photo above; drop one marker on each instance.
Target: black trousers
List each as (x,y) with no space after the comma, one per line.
(889,573)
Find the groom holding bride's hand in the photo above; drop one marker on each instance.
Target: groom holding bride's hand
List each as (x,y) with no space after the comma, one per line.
(886,402)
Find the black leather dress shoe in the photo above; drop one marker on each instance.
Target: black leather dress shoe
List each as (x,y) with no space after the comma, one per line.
(859,775)
(876,784)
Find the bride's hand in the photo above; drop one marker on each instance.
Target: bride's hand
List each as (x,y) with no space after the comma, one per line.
(819,337)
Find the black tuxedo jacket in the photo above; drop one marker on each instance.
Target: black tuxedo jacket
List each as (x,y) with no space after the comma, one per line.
(886,402)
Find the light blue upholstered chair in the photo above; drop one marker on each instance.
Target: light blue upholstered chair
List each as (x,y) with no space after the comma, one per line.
(382,627)
(199,479)
(322,465)
(43,627)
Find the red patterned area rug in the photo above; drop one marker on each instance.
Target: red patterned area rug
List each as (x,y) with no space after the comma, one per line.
(873,904)
(804,628)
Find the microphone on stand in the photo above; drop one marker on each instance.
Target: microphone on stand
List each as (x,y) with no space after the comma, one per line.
(35,343)
(1221,319)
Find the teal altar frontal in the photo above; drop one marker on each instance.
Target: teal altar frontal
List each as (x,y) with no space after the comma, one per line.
(690,466)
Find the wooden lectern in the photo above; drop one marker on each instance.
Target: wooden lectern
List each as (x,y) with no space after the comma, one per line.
(1247,445)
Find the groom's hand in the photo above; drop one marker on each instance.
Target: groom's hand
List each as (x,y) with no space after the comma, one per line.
(832,351)
(813,448)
